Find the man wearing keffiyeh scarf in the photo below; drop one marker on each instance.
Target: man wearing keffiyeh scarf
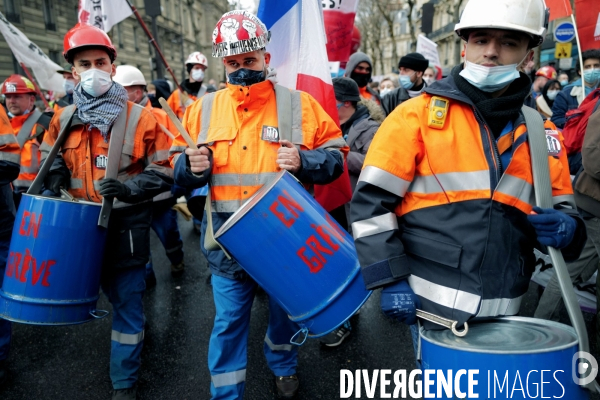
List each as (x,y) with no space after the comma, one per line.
(143,173)
(100,112)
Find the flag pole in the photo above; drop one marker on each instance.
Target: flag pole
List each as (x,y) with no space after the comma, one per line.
(153,41)
(37,88)
(579,53)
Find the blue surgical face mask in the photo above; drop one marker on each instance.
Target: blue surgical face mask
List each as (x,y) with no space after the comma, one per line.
(552,94)
(246,77)
(564,83)
(339,105)
(489,79)
(405,81)
(591,76)
(68,86)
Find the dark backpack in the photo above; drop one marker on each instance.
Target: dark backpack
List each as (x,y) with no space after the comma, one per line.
(576,123)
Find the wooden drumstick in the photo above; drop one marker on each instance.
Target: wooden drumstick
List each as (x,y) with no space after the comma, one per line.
(167,132)
(177,123)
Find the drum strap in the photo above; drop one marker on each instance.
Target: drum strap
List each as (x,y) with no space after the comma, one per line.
(543,197)
(65,124)
(25,131)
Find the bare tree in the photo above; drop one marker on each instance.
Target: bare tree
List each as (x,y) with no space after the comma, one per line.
(369,24)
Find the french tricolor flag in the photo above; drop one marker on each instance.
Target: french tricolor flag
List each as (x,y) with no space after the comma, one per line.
(299,54)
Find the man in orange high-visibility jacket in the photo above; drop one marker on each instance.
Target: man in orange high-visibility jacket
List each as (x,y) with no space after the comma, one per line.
(143,173)
(240,151)
(193,87)
(164,217)
(10,156)
(442,213)
(25,120)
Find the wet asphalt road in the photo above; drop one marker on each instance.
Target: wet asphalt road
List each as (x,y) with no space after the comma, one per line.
(71,363)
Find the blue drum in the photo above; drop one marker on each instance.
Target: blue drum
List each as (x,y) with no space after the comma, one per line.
(298,254)
(55,258)
(514,357)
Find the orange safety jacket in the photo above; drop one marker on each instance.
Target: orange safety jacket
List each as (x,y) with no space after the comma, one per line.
(365,93)
(437,207)
(240,119)
(84,152)
(30,148)
(10,158)
(176,102)
(163,119)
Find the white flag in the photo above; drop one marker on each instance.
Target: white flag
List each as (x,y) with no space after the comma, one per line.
(428,49)
(103,14)
(32,57)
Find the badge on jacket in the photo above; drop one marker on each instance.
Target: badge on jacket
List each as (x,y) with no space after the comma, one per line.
(270,134)
(100,161)
(553,141)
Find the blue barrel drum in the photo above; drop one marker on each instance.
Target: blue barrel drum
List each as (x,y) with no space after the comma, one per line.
(52,276)
(298,254)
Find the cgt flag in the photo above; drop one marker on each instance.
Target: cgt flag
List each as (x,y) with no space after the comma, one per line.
(587,14)
(339,23)
(298,53)
(103,14)
(32,57)
(559,9)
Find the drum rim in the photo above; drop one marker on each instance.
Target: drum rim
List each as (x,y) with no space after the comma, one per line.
(81,202)
(248,204)
(555,324)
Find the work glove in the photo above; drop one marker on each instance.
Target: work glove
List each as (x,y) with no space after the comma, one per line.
(113,188)
(554,228)
(55,181)
(400,302)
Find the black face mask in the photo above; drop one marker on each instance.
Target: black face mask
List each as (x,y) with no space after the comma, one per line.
(361,79)
(246,77)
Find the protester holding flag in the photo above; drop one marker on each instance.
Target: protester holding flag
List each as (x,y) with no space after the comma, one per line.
(10,157)
(29,125)
(224,124)
(100,106)
(193,88)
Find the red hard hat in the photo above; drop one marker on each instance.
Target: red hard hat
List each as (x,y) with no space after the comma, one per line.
(546,71)
(84,35)
(239,32)
(17,84)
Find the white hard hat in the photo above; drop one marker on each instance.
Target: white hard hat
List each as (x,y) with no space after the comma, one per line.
(128,75)
(197,58)
(527,16)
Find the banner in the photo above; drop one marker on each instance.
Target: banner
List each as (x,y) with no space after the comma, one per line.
(587,14)
(339,23)
(428,49)
(32,57)
(559,8)
(103,14)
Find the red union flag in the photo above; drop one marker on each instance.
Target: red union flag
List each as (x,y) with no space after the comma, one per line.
(587,14)
(559,8)
(339,16)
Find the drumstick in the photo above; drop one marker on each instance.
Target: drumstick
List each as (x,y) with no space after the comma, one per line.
(177,124)
(167,132)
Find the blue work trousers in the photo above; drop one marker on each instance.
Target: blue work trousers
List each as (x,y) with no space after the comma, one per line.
(227,358)
(164,223)
(5,326)
(124,289)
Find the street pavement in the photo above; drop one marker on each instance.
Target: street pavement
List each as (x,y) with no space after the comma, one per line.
(72,363)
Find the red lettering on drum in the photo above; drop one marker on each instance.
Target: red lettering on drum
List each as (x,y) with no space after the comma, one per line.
(317,260)
(32,224)
(290,205)
(18,270)
(313,263)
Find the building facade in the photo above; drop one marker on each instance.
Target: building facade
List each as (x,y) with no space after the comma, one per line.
(184,26)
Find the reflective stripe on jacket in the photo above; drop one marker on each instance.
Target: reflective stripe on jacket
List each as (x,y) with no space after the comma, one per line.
(30,152)
(437,207)
(234,129)
(144,162)
(10,158)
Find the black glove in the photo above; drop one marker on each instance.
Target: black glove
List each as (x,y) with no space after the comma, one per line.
(113,188)
(55,181)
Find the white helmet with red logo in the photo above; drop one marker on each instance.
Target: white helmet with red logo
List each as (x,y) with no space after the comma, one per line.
(197,58)
(239,32)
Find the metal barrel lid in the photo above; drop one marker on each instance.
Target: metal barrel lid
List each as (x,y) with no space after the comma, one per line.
(52,198)
(249,204)
(507,335)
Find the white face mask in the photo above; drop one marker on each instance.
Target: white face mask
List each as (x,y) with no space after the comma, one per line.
(68,86)
(197,75)
(552,94)
(385,91)
(429,80)
(95,82)
(489,79)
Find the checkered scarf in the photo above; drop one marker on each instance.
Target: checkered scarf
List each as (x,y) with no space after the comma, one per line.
(102,111)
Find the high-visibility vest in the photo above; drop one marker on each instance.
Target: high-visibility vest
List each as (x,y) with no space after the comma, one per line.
(28,131)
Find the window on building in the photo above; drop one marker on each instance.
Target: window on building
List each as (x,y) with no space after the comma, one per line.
(135,39)
(11,11)
(16,66)
(55,56)
(120,36)
(177,14)
(49,19)
(167,9)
